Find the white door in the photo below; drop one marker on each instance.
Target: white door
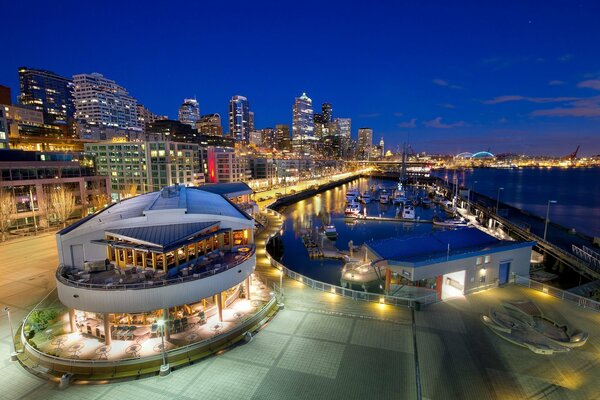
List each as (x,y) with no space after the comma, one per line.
(77,255)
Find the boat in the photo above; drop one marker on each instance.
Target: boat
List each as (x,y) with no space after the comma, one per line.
(448,207)
(408,212)
(426,202)
(352,209)
(384,197)
(352,195)
(330,231)
(366,197)
(416,201)
(399,195)
(450,223)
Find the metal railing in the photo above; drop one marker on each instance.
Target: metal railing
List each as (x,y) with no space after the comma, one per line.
(587,255)
(579,301)
(148,284)
(348,293)
(52,362)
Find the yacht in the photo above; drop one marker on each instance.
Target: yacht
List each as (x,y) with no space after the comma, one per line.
(352,194)
(366,197)
(408,212)
(426,202)
(352,209)
(399,194)
(330,231)
(384,197)
(451,223)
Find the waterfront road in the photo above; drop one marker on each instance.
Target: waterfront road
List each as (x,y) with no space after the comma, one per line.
(322,346)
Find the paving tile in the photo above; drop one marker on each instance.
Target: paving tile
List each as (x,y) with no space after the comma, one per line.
(326,327)
(227,380)
(312,357)
(383,335)
(286,321)
(264,348)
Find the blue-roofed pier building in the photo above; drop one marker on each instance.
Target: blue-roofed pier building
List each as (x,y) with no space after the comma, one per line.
(452,262)
(182,252)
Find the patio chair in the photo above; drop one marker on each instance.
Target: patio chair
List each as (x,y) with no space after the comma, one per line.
(177,326)
(184,323)
(154,329)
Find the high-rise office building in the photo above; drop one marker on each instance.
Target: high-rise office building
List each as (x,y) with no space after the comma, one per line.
(189,112)
(210,124)
(47,92)
(239,119)
(382,147)
(251,120)
(344,129)
(303,127)
(320,130)
(365,142)
(327,111)
(100,102)
(282,139)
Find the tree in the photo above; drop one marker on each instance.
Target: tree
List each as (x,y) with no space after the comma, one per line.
(8,208)
(60,203)
(100,198)
(129,191)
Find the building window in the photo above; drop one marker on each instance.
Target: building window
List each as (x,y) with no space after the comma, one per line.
(488,259)
(479,260)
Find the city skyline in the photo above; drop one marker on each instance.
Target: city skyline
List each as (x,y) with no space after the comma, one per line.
(449,79)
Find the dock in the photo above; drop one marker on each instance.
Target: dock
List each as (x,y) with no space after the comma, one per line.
(390,219)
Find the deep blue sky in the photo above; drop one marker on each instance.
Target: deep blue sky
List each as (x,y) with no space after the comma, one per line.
(516,76)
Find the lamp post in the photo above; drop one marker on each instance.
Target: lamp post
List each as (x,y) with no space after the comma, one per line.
(13,353)
(474,183)
(547,215)
(165,369)
(498,199)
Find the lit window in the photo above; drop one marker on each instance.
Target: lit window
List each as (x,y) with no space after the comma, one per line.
(479,260)
(488,259)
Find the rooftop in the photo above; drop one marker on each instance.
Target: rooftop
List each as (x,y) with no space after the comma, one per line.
(453,244)
(162,235)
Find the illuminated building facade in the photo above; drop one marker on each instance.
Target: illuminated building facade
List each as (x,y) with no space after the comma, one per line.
(101,102)
(140,167)
(365,142)
(210,124)
(223,165)
(282,140)
(239,119)
(47,92)
(303,128)
(189,112)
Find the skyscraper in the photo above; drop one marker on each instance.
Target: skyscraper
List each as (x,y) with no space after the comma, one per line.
(303,124)
(382,145)
(189,112)
(365,141)
(344,129)
(239,119)
(47,92)
(282,140)
(102,103)
(319,126)
(327,111)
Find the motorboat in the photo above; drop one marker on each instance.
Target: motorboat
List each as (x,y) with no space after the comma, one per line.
(448,207)
(399,195)
(408,212)
(352,195)
(384,197)
(330,231)
(426,202)
(366,197)
(450,223)
(352,209)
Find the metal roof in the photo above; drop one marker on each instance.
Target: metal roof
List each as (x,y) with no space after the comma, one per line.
(231,189)
(451,244)
(162,235)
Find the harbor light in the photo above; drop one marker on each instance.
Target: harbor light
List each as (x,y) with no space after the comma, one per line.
(165,369)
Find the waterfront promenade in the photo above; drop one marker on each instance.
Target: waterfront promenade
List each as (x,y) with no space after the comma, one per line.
(325,346)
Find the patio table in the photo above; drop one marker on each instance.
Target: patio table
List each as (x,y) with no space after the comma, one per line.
(134,350)
(103,351)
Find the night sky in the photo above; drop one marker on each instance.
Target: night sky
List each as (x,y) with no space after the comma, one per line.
(518,76)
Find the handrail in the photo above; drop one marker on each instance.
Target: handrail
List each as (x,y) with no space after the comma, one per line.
(158,283)
(558,293)
(351,293)
(134,360)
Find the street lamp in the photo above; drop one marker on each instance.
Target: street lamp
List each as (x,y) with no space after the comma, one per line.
(165,369)
(474,183)
(547,215)
(498,199)
(13,353)
(281,281)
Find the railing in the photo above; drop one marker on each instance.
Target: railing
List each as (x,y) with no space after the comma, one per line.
(558,293)
(53,361)
(348,293)
(587,255)
(153,283)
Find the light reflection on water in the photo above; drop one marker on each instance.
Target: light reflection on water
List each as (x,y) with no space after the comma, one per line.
(329,206)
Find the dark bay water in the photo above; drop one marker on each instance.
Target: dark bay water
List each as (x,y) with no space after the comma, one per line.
(577,191)
(329,206)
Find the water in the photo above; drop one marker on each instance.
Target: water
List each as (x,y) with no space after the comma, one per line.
(329,206)
(577,191)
